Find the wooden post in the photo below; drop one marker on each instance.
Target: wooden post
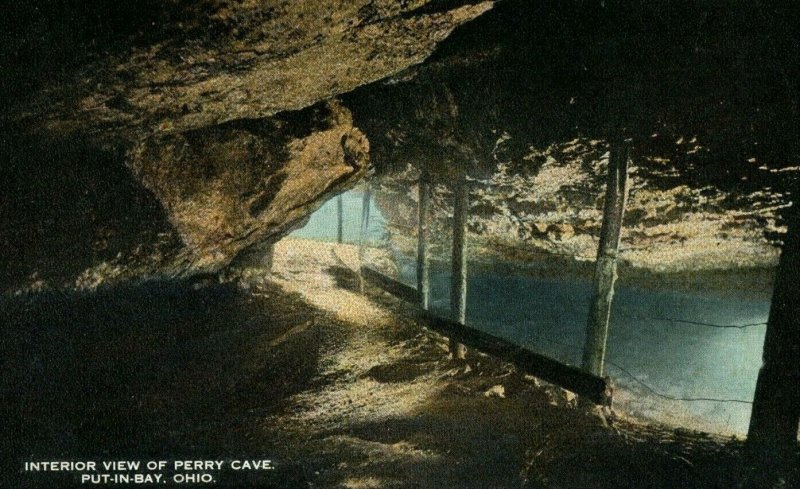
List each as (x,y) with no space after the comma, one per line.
(458,291)
(458,284)
(606,267)
(423,272)
(776,404)
(365,203)
(339,220)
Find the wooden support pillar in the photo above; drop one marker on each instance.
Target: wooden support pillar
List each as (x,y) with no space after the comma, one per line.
(776,404)
(423,271)
(458,284)
(606,267)
(362,242)
(458,290)
(339,219)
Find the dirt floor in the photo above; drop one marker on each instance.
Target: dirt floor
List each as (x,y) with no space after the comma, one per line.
(337,388)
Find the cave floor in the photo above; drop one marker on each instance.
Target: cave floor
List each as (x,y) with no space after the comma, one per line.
(337,388)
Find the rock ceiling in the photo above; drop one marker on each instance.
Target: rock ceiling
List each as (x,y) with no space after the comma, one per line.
(236,119)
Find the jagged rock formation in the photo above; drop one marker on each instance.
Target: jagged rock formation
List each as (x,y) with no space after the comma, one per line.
(232,186)
(221,111)
(527,97)
(555,207)
(225,113)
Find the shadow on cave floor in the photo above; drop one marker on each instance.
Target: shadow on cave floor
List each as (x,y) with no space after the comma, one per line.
(138,372)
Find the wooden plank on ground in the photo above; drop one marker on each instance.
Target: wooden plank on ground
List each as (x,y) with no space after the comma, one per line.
(594,388)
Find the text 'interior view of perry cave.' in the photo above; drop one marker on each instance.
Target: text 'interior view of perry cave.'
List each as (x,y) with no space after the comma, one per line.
(380,244)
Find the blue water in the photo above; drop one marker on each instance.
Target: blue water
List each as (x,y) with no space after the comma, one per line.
(650,355)
(322,225)
(672,358)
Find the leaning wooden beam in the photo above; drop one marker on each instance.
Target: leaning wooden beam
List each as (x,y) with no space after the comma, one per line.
(458,289)
(606,267)
(776,404)
(423,263)
(589,386)
(394,287)
(339,219)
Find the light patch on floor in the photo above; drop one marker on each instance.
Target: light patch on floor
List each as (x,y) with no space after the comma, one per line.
(300,267)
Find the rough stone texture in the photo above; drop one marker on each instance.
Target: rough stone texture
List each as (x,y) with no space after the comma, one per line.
(528,110)
(224,111)
(236,185)
(512,96)
(553,205)
(264,57)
